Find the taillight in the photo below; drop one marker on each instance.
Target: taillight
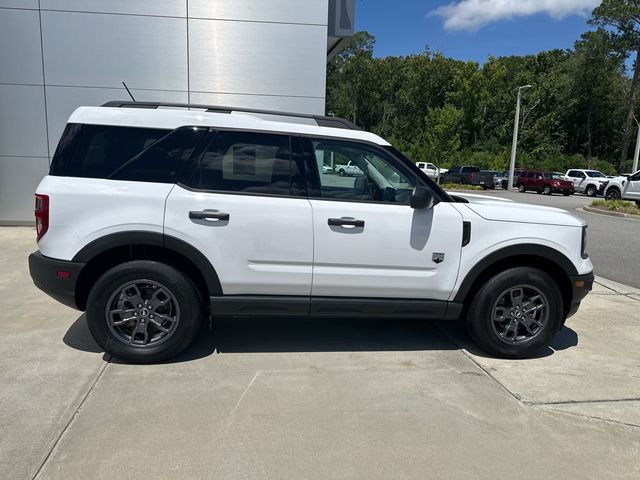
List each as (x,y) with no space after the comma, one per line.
(42,215)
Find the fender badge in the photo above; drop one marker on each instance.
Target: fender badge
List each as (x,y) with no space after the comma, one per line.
(438,257)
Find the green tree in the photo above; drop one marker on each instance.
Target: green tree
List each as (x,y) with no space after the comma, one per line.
(441,136)
(624,17)
(349,77)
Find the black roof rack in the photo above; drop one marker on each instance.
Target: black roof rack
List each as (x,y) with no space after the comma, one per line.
(321,120)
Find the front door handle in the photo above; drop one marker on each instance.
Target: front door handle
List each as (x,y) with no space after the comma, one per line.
(208,216)
(352,222)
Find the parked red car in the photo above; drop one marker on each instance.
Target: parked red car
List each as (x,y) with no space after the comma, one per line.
(544,182)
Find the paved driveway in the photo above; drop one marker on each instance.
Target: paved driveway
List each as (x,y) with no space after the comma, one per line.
(315,399)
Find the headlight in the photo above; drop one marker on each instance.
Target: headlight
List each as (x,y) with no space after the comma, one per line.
(583,248)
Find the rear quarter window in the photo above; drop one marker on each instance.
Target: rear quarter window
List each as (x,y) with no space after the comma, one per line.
(97,151)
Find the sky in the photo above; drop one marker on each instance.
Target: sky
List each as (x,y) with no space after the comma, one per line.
(473,29)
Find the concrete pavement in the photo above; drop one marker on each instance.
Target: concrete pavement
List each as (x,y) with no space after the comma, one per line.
(315,399)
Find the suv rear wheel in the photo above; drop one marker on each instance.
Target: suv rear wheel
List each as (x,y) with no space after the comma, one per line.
(144,311)
(546,190)
(522,188)
(592,191)
(515,313)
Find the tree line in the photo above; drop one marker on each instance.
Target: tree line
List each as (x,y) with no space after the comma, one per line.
(579,113)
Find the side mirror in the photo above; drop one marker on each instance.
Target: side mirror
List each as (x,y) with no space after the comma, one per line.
(422,198)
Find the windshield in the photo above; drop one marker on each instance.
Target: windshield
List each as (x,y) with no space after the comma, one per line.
(596,174)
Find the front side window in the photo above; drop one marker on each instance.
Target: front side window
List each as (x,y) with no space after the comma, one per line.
(245,162)
(380,177)
(596,174)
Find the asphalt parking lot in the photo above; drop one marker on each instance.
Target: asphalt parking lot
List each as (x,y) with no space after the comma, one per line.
(323,399)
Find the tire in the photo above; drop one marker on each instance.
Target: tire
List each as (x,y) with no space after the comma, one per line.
(513,342)
(613,194)
(547,190)
(342,173)
(591,191)
(156,337)
(522,188)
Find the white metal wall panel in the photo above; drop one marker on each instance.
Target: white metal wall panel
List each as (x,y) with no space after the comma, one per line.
(20,54)
(19,177)
(280,11)
(257,58)
(164,8)
(85,49)
(32,4)
(265,102)
(62,101)
(22,126)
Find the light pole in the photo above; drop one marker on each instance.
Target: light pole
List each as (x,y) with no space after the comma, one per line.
(514,146)
(634,169)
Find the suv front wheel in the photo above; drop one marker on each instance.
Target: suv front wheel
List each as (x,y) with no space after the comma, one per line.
(515,313)
(144,311)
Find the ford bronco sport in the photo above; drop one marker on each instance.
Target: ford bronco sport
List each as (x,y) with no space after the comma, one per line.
(154,219)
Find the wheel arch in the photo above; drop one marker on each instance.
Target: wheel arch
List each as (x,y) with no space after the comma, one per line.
(553,262)
(113,249)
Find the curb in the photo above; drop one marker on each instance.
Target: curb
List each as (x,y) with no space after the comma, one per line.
(610,213)
(620,288)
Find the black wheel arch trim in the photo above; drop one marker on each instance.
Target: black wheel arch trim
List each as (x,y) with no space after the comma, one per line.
(133,238)
(521,250)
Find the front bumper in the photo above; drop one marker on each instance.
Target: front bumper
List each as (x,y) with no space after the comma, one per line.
(56,278)
(581,285)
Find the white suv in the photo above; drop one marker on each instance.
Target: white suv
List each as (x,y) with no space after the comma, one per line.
(153,219)
(590,182)
(625,187)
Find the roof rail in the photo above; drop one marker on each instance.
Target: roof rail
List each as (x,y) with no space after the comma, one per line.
(321,120)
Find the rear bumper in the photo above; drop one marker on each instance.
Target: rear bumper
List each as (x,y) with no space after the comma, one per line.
(50,276)
(581,285)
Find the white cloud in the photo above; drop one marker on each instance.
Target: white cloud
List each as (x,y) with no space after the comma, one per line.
(475,14)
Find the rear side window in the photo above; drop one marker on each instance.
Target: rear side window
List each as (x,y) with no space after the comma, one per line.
(98,151)
(246,162)
(164,160)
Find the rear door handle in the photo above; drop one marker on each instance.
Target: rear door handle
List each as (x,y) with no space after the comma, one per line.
(352,222)
(208,216)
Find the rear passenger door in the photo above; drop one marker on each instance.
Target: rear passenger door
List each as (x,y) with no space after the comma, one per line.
(577,178)
(242,203)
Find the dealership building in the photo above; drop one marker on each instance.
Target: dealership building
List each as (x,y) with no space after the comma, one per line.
(56,55)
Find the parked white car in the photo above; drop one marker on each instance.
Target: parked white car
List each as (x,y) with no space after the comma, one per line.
(624,188)
(590,182)
(154,220)
(430,169)
(349,169)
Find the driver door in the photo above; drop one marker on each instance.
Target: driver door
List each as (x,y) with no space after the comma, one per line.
(368,241)
(633,187)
